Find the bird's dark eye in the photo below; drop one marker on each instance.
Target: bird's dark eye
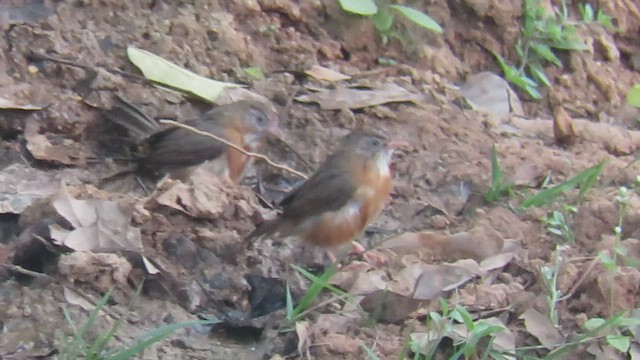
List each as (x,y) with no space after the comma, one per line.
(375,142)
(258,116)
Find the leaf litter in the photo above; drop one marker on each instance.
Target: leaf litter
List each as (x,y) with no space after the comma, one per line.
(468,264)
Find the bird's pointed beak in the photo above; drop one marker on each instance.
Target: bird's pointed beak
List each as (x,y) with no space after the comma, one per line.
(276,131)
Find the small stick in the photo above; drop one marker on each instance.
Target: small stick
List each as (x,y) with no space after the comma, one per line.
(21,270)
(248,153)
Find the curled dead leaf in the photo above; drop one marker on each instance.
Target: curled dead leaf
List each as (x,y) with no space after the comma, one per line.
(541,327)
(53,148)
(97,224)
(206,196)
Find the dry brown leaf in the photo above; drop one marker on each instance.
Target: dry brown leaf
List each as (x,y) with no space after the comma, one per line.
(497,261)
(323,73)
(541,327)
(437,279)
(387,306)
(563,129)
(205,197)
(98,224)
(73,298)
(353,98)
(491,93)
(53,149)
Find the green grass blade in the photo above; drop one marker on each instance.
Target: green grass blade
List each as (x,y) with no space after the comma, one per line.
(372,355)
(289,304)
(317,284)
(155,336)
(586,179)
(546,53)
(102,341)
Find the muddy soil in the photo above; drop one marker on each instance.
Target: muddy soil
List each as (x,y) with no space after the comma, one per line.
(206,272)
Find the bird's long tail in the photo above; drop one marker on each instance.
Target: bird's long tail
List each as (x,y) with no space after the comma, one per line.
(139,125)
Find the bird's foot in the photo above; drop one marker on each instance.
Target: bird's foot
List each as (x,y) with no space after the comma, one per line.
(373,258)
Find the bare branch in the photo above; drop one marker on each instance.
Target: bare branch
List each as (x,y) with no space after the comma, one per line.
(232,145)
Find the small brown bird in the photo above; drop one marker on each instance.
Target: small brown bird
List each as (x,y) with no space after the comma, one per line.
(172,150)
(337,203)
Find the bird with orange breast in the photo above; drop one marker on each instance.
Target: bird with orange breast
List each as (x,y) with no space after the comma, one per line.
(344,195)
(176,151)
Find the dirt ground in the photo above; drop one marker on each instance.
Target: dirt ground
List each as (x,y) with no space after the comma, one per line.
(438,183)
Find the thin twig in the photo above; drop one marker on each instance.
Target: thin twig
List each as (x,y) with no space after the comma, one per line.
(232,145)
(21,270)
(581,280)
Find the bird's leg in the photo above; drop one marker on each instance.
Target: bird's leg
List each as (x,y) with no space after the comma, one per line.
(357,248)
(332,258)
(372,258)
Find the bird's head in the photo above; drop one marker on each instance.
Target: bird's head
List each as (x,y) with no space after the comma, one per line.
(255,120)
(373,148)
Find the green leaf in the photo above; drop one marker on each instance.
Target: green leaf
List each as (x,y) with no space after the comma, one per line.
(383,20)
(466,316)
(593,323)
(520,80)
(619,342)
(554,231)
(539,74)
(633,97)
(164,72)
(418,17)
(386,61)
(360,7)
(546,53)
(607,260)
(605,20)
(587,12)
(569,44)
(254,72)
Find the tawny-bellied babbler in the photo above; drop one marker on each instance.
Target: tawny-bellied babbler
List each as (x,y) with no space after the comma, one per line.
(342,197)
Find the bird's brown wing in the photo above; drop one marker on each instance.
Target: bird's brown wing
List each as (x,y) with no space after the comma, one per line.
(177,146)
(328,189)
